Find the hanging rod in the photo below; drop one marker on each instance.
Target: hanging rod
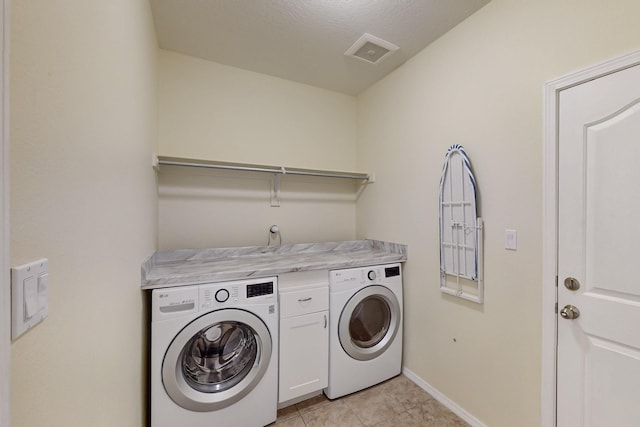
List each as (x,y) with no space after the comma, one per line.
(212,164)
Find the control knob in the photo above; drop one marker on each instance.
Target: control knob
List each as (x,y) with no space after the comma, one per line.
(371,275)
(222,295)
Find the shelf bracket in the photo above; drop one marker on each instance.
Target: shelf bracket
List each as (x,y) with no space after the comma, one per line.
(275,191)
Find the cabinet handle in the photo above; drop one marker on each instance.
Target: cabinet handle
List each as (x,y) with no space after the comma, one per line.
(325,321)
(304,299)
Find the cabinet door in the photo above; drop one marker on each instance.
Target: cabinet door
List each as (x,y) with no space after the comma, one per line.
(304,355)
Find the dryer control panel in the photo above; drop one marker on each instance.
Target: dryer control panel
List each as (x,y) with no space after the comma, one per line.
(376,274)
(392,271)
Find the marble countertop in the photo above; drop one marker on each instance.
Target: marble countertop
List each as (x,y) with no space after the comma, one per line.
(192,266)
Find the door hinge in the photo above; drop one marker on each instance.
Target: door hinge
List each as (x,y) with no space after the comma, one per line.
(556,308)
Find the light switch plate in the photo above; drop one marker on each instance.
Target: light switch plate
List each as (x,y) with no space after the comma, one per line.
(29,296)
(511,240)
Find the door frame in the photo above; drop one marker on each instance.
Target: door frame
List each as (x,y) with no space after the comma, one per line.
(5,297)
(552,91)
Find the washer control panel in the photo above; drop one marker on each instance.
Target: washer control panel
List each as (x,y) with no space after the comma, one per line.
(217,295)
(259,289)
(182,300)
(171,302)
(226,294)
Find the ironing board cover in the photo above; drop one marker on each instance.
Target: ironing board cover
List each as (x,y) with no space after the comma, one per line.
(458,213)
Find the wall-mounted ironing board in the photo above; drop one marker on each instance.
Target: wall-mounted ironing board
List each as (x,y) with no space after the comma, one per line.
(461,272)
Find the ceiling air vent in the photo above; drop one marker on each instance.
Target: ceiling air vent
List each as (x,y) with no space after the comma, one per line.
(371,49)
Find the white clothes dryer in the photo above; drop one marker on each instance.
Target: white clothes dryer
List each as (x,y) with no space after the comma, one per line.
(365,327)
(214,354)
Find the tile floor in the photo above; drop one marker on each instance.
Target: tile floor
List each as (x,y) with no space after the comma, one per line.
(396,402)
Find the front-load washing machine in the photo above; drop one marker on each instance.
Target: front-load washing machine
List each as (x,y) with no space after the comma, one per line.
(214,354)
(365,327)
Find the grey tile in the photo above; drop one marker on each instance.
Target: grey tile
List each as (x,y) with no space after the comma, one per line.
(313,403)
(335,414)
(406,392)
(288,412)
(404,419)
(291,421)
(436,415)
(396,402)
(373,406)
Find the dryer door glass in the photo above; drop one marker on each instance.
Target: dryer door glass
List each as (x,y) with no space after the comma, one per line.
(219,356)
(370,321)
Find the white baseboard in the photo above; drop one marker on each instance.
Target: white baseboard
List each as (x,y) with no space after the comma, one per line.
(450,404)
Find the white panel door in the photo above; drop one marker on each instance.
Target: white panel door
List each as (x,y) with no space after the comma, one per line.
(599,246)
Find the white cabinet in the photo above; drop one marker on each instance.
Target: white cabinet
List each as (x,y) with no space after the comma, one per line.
(303,355)
(304,336)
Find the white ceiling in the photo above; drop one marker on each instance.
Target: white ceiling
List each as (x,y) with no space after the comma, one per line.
(305,40)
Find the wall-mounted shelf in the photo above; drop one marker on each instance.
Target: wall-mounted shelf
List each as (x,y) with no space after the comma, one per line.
(212,164)
(277,171)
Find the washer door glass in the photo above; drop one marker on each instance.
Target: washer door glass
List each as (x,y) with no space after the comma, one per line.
(219,356)
(216,360)
(369,322)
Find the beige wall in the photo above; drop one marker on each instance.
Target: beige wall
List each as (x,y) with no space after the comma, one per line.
(212,111)
(83,193)
(202,208)
(481,86)
(83,129)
